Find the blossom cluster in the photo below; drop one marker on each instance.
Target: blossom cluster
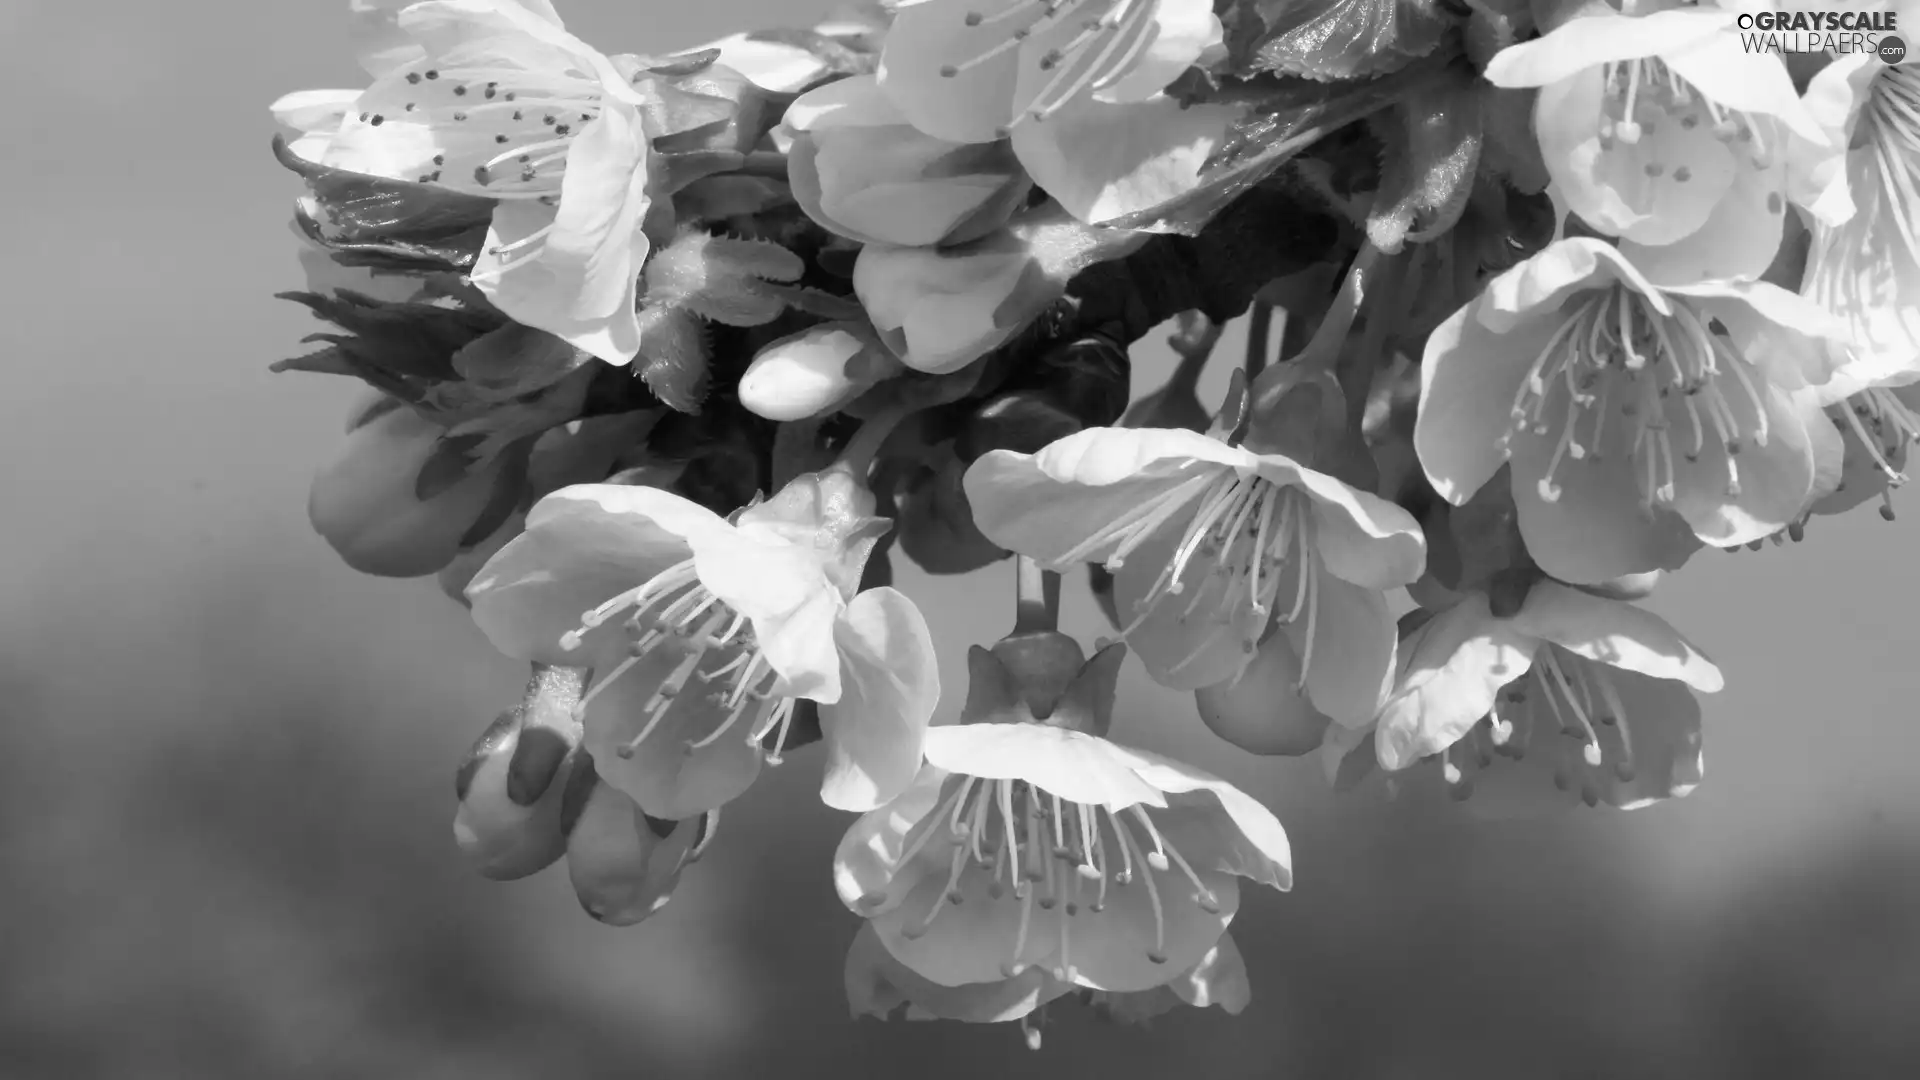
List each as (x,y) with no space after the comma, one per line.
(671,357)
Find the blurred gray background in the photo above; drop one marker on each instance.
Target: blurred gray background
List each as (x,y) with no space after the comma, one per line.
(225,759)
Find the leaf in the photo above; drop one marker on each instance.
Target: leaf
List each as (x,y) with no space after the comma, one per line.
(403,349)
(840,57)
(1432,153)
(450,462)
(515,360)
(718,198)
(673,357)
(722,278)
(818,302)
(454,253)
(1335,39)
(356,207)
(1284,116)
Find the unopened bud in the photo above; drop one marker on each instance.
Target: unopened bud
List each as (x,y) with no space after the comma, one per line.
(860,169)
(815,371)
(502,837)
(623,864)
(368,506)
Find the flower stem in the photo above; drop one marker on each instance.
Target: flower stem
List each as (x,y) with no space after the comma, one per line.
(1036,597)
(768,163)
(1259,331)
(1356,378)
(1193,343)
(1323,351)
(909,396)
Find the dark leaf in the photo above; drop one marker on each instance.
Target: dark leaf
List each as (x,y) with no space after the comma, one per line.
(406,340)
(357,208)
(508,487)
(1335,39)
(450,462)
(1432,154)
(673,357)
(456,252)
(1283,116)
(515,360)
(839,56)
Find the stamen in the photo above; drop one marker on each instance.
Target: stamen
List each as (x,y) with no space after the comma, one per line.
(1014,876)
(1125,876)
(1138,523)
(950,892)
(1202,895)
(1157,954)
(1014,967)
(1591,752)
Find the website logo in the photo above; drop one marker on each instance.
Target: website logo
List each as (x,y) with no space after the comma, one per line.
(1836,32)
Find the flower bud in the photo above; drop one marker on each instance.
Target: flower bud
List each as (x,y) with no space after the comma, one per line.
(511,786)
(623,864)
(461,570)
(368,504)
(935,522)
(815,371)
(859,169)
(504,839)
(940,309)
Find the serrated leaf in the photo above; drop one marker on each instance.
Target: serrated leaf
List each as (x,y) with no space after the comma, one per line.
(673,357)
(515,360)
(1337,39)
(761,258)
(719,198)
(721,278)
(673,66)
(361,208)
(453,253)
(508,486)
(1432,154)
(837,56)
(1284,116)
(450,461)
(818,302)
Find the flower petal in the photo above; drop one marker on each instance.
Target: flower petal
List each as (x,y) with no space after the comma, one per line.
(1260,711)
(1124,944)
(939,309)
(1347,647)
(1182,31)
(1594,530)
(878,985)
(1668,760)
(582,285)
(1721,67)
(1077,767)
(1591,40)
(1220,978)
(784,590)
(890,685)
(1454,667)
(665,772)
(1737,238)
(1614,633)
(1360,537)
(1736,498)
(1214,824)
(1066,499)
(925,41)
(583,546)
(1468,381)
(1105,160)
(1182,640)
(868,870)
